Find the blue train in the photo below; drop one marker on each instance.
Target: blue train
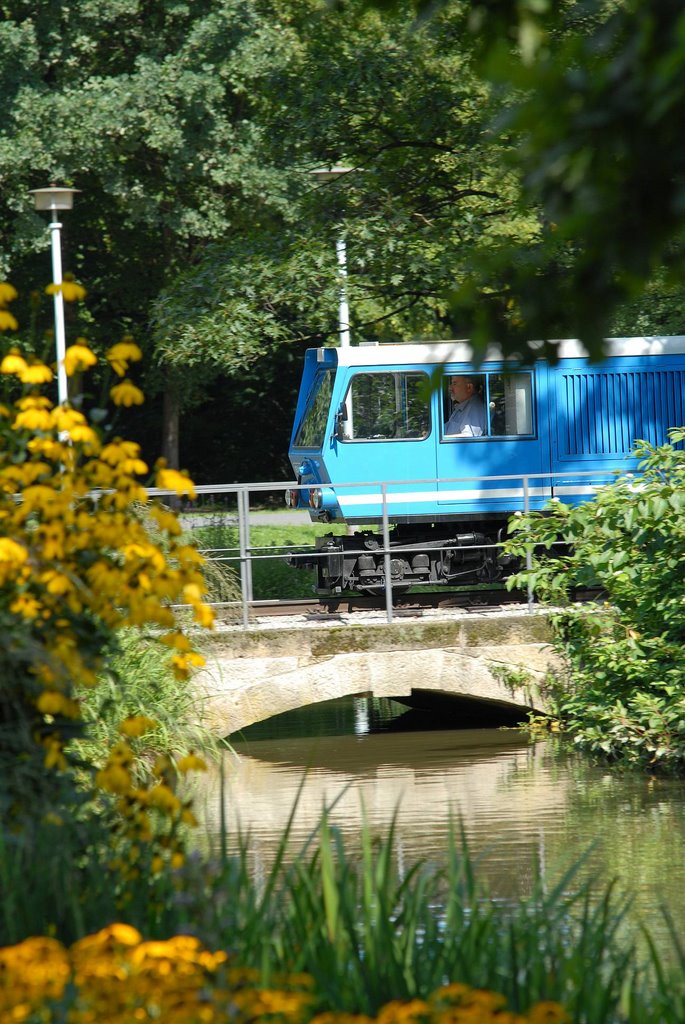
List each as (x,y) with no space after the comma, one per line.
(412,435)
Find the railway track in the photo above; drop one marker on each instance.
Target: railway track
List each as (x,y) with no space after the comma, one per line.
(414,605)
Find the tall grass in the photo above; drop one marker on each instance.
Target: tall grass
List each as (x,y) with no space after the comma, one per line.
(366,932)
(139,681)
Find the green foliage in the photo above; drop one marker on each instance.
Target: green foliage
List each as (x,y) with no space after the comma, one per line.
(596,93)
(243,300)
(164,148)
(139,682)
(408,112)
(271,576)
(623,695)
(366,933)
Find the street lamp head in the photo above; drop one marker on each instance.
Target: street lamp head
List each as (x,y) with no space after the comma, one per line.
(54,197)
(325,174)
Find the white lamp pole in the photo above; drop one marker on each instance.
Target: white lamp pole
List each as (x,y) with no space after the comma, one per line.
(55,199)
(324,175)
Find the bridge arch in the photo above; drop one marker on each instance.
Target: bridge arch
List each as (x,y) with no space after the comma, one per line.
(484,664)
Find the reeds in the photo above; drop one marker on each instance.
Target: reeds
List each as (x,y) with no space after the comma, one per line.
(366,932)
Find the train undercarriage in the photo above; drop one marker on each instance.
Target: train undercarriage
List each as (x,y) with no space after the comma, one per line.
(438,554)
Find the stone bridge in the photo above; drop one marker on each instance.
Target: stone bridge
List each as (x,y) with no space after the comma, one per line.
(480,669)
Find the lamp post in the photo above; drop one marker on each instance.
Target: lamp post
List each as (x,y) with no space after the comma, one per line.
(325,175)
(54,199)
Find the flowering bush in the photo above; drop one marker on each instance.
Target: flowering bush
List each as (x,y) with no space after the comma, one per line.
(78,564)
(114,977)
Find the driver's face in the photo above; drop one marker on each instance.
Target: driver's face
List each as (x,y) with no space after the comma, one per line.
(461,388)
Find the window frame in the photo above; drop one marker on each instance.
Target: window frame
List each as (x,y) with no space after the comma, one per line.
(446,408)
(387,372)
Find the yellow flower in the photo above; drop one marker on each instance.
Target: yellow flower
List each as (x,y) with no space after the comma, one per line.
(192,593)
(13,363)
(36,373)
(161,796)
(48,447)
(51,702)
(548,1013)
(71,291)
(191,763)
(176,639)
(33,419)
(173,480)
(123,353)
(78,357)
(119,451)
(7,293)
(10,551)
(54,757)
(7,321)
(116,934)
(86,436)
(203,615)
(181,664)
(56,583)
(114,779)
(137,725)
(127,394)
(166,520)
(66,418)
(26,606)
(33,401)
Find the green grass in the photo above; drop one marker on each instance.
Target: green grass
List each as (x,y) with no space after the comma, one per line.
(272,578)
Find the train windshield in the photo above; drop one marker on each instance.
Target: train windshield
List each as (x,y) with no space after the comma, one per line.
(312,428)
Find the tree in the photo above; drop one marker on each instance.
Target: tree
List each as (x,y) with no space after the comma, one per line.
(599,93)
(150,110)
(408,113)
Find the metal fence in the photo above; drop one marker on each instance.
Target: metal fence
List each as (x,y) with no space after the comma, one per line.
(237,505)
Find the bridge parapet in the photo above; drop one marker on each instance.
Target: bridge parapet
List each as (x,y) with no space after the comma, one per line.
(456,662)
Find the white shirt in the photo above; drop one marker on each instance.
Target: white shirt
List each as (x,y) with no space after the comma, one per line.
(468,418)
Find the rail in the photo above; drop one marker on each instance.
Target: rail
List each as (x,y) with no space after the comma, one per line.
(237,501)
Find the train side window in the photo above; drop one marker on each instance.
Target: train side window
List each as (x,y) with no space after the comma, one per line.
(501,405)
(387,406)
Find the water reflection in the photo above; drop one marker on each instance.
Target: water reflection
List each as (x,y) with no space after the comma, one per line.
(525,807)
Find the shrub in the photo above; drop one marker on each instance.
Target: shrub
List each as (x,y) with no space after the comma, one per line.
(622,695)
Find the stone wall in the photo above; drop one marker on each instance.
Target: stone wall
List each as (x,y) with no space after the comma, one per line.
(256,673)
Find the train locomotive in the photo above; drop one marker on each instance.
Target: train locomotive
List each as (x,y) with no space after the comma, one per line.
(376,441)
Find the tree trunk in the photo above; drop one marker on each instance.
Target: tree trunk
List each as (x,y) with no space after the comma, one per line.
(171,418)
(171,424)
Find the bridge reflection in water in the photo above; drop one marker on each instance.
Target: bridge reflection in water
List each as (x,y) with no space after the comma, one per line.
(526,807)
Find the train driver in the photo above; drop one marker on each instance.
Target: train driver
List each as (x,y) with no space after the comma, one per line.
(468,418)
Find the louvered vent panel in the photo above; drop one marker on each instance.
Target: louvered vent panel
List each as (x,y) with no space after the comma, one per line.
(605,413)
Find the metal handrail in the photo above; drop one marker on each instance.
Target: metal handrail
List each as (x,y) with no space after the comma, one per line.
(246,553)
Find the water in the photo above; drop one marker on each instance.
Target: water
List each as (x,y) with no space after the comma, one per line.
(526,807)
